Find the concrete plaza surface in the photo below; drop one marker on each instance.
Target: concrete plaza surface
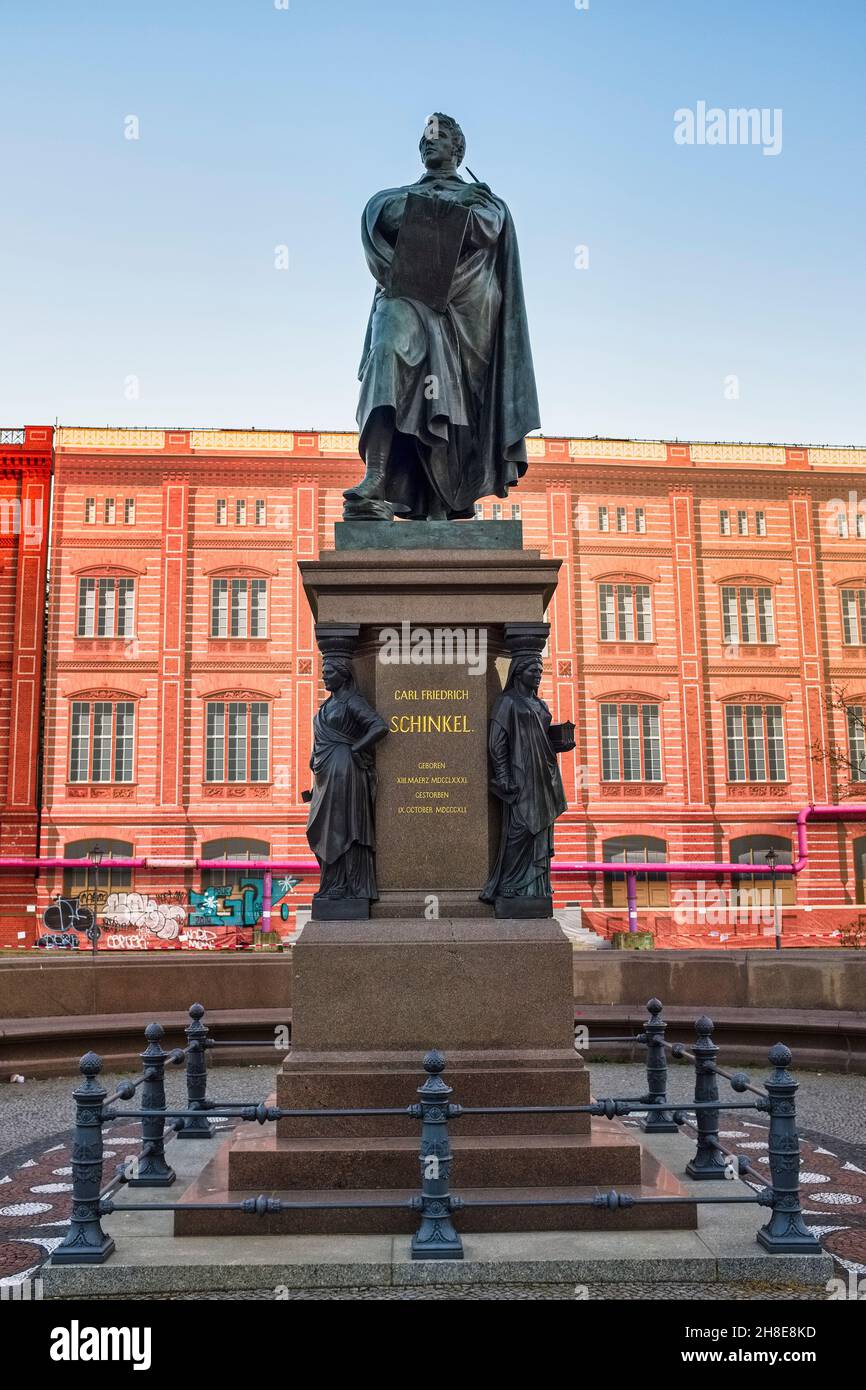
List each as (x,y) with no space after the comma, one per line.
(149,1259)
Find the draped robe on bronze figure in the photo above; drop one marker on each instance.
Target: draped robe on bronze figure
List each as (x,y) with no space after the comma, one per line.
(526,777)
(340,822)
(460,384)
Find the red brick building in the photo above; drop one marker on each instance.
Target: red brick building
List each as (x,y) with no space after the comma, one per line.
(25,495)
(708,640)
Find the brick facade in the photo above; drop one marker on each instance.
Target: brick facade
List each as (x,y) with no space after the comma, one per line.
(25,484)
(185,531)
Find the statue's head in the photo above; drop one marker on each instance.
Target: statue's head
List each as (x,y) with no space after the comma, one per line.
(337,672)
(443,143)
(526,671)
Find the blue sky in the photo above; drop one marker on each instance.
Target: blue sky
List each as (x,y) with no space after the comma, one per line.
(260,127)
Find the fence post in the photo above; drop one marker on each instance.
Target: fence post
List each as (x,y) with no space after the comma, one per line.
(200,1126)
(152,1170)
(85,1243)
(709,1161)
(786,1233)
(436,1238)
(656,1121)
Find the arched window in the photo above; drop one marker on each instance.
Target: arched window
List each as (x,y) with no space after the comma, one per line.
(860,869)
(111,880)
(234,848)
(752,849)
(652,889)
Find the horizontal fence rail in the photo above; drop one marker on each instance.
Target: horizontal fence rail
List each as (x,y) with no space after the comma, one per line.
(436,1236)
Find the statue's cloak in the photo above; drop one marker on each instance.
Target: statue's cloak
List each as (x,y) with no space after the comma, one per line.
(468,441)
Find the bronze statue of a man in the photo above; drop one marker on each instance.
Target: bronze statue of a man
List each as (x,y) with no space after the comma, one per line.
(447,384)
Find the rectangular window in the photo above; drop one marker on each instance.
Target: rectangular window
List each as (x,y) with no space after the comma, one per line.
(734,739)
(603,519)
(108,511)
(643,613)
(90,510)
(747,615)
(237,741)
(842,523)
(761,523)
(129,511)
(479,511)
(854,617)
(102,741)
(239,608)
(742,523)
(259,742)
(755,743)
(123,742)
(261,512)
(724,523)
(856,742)
(621,519)
(775,743)
(105,607)
(240,512)
(640,520)
(79,752)
(86,607)
(215,743)
(515,511)
(609,744)
(624,613)
(258,608)
(630,741)
(755,759)
(497,511)
(221,511)
(652,746)
(219,608)
(606,623)
(766,628)
(860,524)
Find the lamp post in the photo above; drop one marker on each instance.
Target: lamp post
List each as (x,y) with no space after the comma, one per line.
(777,924)
(95,856)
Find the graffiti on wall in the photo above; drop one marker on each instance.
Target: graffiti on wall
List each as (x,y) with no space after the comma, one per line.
(218,918)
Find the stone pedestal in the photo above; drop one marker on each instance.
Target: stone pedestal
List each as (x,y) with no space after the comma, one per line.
(432,968)
(437,827)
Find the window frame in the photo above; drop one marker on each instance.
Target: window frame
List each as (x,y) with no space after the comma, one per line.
(218,727)
(119,745)
(636,744)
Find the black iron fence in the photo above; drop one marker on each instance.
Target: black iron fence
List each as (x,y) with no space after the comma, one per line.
(436,1236)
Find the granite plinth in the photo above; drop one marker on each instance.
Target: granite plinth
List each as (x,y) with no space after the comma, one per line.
(367,1214)
(405,986)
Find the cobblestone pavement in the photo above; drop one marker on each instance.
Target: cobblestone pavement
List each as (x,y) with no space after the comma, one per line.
(35,1176)
(500,1292)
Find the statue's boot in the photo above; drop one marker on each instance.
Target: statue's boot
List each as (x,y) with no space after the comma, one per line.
(371,487)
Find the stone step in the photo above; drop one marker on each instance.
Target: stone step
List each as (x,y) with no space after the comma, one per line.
(607,1155)
(340,1087)
(369,1216)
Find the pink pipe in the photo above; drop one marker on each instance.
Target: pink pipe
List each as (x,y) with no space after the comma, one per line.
(559,866)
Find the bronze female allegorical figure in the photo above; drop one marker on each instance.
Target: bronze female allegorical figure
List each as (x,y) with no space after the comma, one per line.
(447,385)
(524,745)
(340,822)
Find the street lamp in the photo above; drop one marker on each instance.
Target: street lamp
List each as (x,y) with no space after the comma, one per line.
(777,924)
(95,855)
